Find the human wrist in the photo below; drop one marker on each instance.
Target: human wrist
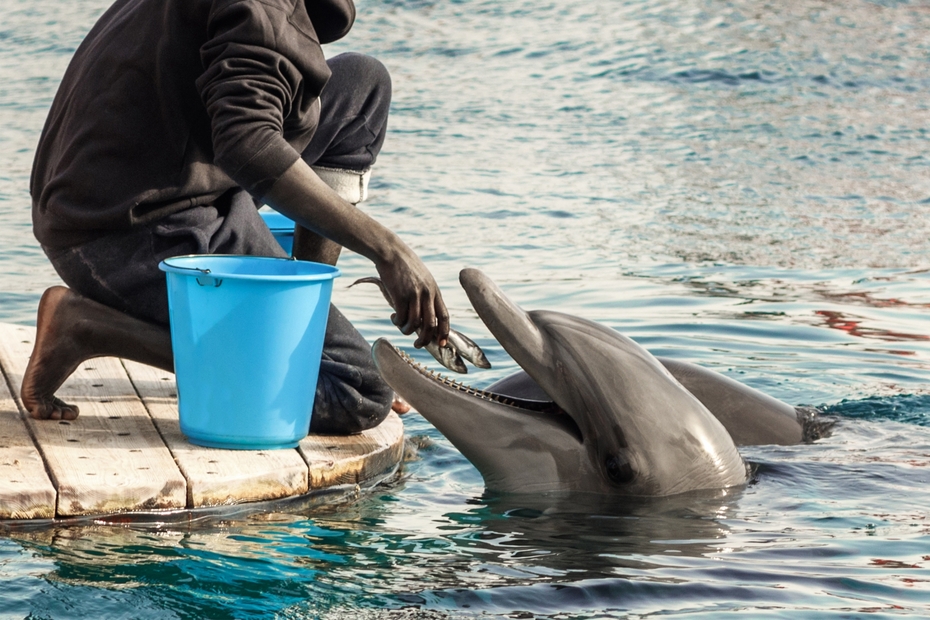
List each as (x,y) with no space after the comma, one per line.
(387,248)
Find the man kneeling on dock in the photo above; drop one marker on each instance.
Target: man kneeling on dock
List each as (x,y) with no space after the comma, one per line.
(172,120)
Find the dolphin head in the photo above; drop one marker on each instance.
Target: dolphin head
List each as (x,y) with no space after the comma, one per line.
(613,419)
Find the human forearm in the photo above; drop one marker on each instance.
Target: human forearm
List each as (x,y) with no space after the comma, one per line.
(301,195)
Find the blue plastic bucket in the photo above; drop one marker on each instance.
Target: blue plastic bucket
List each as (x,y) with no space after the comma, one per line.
(247,334)
(281,227)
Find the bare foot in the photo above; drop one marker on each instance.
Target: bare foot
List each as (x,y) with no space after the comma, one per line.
(55,356)
(400,406)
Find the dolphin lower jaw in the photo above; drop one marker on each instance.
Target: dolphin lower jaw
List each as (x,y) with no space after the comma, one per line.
(383,351)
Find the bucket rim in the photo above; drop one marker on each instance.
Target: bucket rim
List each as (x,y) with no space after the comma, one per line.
(327,272)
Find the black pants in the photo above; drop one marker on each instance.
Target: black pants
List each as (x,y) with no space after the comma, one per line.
(121,270)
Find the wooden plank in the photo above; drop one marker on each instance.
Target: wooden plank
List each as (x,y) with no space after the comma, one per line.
(111,458)
(25,489)
(354,459)
(216,477)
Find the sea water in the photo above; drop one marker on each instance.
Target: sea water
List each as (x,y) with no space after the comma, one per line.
(737,183)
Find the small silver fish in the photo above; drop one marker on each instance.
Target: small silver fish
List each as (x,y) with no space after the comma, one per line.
(457,346)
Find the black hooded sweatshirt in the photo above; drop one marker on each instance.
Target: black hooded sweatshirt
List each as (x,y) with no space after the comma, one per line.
(168,104)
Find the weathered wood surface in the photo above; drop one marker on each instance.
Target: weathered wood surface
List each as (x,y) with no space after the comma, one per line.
(216,477)
(126,453)
(25,490)
(352,460)
(112,458)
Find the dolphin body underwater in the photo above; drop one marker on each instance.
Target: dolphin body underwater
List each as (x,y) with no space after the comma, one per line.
(591,411)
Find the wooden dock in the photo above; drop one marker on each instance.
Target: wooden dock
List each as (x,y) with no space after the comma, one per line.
(125,453)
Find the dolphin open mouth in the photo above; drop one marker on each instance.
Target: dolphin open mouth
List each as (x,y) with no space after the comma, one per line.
(388,358)
(537,406)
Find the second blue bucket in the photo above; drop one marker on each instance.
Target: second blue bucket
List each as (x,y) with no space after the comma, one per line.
(247,334)
(281,227)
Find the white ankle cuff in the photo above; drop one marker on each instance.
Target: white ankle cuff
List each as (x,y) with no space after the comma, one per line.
(352,185)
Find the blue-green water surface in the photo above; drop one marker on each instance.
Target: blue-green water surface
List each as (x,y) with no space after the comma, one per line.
(740,183)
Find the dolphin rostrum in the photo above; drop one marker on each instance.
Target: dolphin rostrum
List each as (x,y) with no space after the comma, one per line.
(614,420)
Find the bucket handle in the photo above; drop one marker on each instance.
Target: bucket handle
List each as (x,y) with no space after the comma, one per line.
(203,281)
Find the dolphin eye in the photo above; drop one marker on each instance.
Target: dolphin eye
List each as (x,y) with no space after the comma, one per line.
(618,470)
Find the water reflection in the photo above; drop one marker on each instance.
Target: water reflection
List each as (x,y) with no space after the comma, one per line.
(853,325)
(591,536)
(495,541)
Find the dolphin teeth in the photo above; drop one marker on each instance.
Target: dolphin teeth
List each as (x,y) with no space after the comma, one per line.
(452,383)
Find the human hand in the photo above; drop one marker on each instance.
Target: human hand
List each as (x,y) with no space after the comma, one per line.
(412,292)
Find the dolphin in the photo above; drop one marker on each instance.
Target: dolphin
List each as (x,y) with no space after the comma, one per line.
(613,421)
